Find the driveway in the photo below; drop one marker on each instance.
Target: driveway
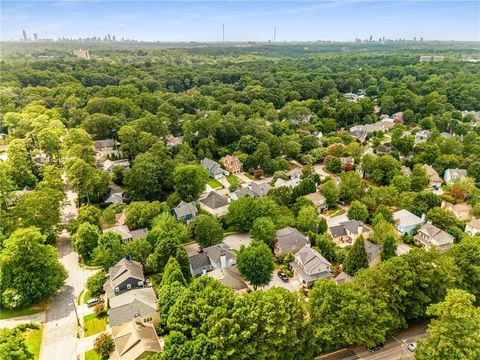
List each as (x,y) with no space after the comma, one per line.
(235,241)
(292,284)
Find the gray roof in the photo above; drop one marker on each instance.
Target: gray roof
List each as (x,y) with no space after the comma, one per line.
(215,251)
(121,271)
(342,277)
(126,234)
(211,165)
(373,250)
(214,200)
(199,261)
(138,234)
(183,209)
(406,218)
(316,198)
(290,237)
(457,172)
(312,262)
(260,189)
(435,235)
(125,306)
(99,144)
(229,276)
(338,230)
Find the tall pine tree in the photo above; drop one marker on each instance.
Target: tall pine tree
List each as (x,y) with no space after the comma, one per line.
(357,257)
(389,248)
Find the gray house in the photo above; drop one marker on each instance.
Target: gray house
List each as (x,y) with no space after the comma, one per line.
(214,169)
(309,266)
(289,240)
(213,257)
(135,304)
(254,189)
(185,211)
(124,276)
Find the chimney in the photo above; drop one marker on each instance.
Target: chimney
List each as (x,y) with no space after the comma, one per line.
(423,217)
(223,260)
(204,271)
(360,228)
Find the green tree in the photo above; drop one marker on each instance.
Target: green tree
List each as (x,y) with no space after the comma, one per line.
(454,331)
(331,192)
(85,240)
(13,346)
(467,257)
(402,183)
(386,212)
(172,273)
(207,230)
(334,166)
(443,218)
(104,345)
(242,213)
(89,214)
(351,187)
(307,219)
(389,248)
(263,229)
(418,178)
(139,250)
(95,283)
(140,214)
(255,263)
(30,271)
(109,251)
(357,257)
(190,181)
(358,211)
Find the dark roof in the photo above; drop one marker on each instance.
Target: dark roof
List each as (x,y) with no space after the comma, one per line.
(183,209)
(215,251)
(199,261)
(373,250)
(123,270)
(290,237)
(338,230)
(125,306)
(214,200)
(211,165)
(99,144)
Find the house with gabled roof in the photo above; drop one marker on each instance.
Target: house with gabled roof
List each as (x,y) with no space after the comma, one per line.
(406,222)
(462,211)
(309,266)
(232,164)
(289,240)
(342,277)
(231,277)
(138,303)
(254,190)
(214,203)
(431,236)
(185,211)
(454,174)
(210,258)
(109,165)
(472,228)
(434,180)
(373,252)
(213,168)
(346,232)
(318,200)
(126,234)
(135,340)
(124,276)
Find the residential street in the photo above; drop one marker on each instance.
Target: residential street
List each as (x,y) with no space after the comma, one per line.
(394,347)
(59,336)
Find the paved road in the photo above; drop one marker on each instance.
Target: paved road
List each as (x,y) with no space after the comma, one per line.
(394,348)
(14,322)
(59,337)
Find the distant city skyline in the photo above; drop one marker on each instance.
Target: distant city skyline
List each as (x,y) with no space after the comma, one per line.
(340,20)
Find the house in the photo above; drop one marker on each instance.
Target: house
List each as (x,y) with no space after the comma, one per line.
(121,218)
(126,234)
(289,240)
(342,278)
(124,276)
(346,232)
(137,303)
(402,249)
(406,171)
(421,136)
(290,182)
(405,221)
(462,212)
(232,164)
(109,165)
(231,277)
(473,227)
(294,173)
(114,195)
(214,169)
(213,257)
(347,162)
(318,200)
(185,211)
(214,204)
(105,149)
(254,189)
(309,266)
(454,174)
(174,140)
(373,252)
(431,236)
(13,199)
(135,340)
(434,180)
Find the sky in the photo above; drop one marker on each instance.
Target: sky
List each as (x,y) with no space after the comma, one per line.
(336,20)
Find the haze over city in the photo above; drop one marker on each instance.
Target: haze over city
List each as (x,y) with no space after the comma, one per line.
(244,20)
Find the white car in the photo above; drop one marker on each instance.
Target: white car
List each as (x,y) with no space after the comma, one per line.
(412,346)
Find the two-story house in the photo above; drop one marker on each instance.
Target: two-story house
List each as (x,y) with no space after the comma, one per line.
(289,240)
(406,222)
(213,257)
(318,200)
(232,164)
(431,236)
(309,266)
(137,303)
(124,276)
(472,228)
(346,232)
(454,174)
(185,211)
(213,168)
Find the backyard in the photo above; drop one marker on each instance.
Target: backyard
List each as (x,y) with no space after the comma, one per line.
(233,180)
(214,184)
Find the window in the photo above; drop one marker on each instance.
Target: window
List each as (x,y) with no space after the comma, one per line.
(117,289)
(140,283)
(129,286)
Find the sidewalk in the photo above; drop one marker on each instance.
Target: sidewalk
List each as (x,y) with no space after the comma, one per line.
(13,322)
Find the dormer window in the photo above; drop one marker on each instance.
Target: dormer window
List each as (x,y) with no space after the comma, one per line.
(129,286)
(140,283)
(117,289)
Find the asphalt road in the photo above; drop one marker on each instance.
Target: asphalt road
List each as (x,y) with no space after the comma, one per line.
(59,336)
(394,348)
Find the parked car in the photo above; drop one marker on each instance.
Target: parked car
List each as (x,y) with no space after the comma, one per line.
(412,346)
(375,347)
(94,301)
(282,276)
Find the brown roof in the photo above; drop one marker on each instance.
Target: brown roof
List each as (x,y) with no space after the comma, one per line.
(134,340)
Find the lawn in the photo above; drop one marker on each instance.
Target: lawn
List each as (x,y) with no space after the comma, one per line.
(93,325)
(33,340)
(233,180)
(92,355)
(10,313)
(215,184)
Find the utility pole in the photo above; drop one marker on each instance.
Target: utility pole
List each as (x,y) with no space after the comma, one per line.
(76,313)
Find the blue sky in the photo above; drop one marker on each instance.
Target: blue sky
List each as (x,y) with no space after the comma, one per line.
(337,20)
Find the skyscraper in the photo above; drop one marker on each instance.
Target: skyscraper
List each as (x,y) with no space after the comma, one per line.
(24,33)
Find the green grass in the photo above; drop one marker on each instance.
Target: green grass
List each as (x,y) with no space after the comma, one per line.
(233,180)
(215,184)
(250,176)
(93,325)
(92,355)
(88,296)
(33,340)
(11,313)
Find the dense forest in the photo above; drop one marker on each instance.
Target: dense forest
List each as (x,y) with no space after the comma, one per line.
(275,108)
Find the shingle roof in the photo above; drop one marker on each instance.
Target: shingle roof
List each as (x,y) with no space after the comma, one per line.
(126,306)
(230,277)
(316,198)
(406,218)
(214,200)
(183,209)
(215,251)
(457,172)
(313,263)
(475,223)
(133,339)
(436,236)
(373,250)
(99,144)
(343,277)
(199,261)
(288,237)
(338,230)
(123,270)
(211,165)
